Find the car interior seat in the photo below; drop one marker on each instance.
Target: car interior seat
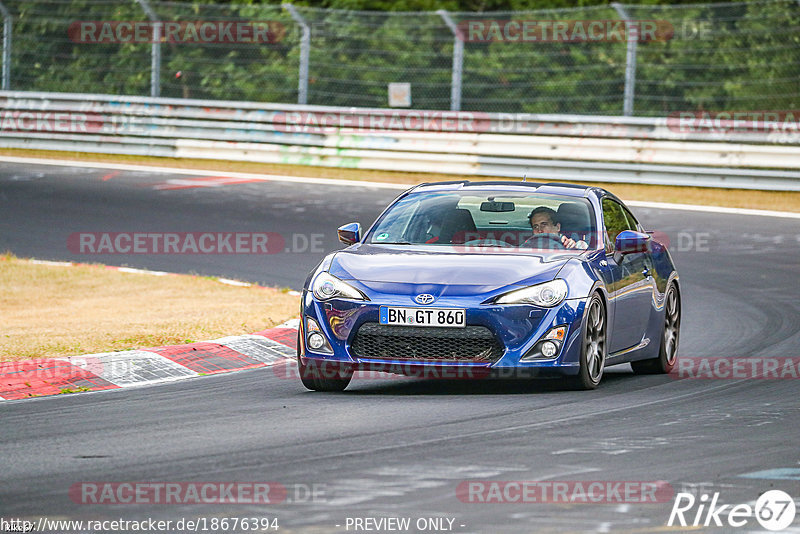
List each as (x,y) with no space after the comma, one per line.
(456,221)
(575,221)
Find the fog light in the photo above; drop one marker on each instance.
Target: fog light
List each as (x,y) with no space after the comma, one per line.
(316,341)
(549,349)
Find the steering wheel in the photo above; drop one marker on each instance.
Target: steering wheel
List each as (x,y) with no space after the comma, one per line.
(544,241)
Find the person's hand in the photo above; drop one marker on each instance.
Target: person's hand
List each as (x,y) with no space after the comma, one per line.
(568,242)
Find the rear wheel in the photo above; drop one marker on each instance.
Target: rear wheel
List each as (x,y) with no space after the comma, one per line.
(322,375)
(593,346)
(668,351)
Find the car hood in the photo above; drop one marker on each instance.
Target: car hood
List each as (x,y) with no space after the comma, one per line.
(386,264)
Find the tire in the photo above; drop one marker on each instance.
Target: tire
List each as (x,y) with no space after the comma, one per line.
(594,348)
(322,376)
(670,335)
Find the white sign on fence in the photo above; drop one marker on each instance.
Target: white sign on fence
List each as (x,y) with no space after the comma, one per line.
(400,95)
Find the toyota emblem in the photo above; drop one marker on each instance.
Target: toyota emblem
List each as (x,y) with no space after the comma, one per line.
(425,298)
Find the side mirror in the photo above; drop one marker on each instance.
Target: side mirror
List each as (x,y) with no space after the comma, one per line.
(349,233)
(629,241)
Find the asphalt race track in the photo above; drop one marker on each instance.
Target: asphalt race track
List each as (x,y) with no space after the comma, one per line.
(399,447)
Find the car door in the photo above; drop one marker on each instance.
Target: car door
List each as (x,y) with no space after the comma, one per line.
(629,283)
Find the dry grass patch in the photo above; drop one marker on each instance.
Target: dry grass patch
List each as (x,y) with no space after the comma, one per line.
(735,198)
(50,311)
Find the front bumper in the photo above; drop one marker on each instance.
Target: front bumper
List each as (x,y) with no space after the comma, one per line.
(516,329)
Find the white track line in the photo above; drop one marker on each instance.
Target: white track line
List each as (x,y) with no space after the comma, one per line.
(52,263)
(233,282)
(203,172)
(712,209)
(131,270)
(356,183)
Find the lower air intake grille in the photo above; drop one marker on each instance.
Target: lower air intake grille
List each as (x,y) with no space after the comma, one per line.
(469,344)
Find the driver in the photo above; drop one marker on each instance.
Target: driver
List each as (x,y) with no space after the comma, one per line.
(543,221)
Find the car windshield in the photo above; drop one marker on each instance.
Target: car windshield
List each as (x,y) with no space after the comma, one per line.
(487,219)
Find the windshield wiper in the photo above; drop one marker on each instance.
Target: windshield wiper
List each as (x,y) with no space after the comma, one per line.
(391,243)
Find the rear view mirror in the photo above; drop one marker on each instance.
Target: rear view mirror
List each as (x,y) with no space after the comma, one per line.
(497,207)
(349,233)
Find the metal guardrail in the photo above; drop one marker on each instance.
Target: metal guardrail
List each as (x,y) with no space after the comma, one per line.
(546,147)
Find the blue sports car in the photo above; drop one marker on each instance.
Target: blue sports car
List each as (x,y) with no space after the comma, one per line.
(473,279)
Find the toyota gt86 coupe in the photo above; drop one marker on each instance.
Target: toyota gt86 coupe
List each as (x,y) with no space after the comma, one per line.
(453,278)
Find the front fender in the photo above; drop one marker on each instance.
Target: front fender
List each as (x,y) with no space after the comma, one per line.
(581,279)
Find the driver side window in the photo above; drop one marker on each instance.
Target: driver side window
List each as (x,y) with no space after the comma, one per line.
(633,224)
(615,221)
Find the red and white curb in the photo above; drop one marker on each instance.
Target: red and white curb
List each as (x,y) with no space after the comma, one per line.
(113,370)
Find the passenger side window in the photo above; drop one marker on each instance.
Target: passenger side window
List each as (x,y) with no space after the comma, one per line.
(615,221)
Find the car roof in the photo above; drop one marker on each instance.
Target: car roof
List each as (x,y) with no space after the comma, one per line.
(553,188)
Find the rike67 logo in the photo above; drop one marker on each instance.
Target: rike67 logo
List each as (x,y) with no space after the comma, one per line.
(774,510)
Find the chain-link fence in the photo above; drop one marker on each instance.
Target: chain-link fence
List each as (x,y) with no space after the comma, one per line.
(742,56)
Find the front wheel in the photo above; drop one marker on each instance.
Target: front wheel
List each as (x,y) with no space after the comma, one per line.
(668,351)
(322,375)
(593,346)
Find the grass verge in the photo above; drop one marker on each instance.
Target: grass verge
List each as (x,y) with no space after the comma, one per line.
(50,311)
(734,198)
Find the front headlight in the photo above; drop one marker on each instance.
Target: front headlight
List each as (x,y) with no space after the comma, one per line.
(547,295)
(326,287)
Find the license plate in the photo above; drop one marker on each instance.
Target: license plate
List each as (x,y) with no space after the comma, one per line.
(423,316)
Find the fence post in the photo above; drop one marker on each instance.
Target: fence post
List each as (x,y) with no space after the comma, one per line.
(458,60)
(7,28)
(630,59)
(155,50)
(305,49)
